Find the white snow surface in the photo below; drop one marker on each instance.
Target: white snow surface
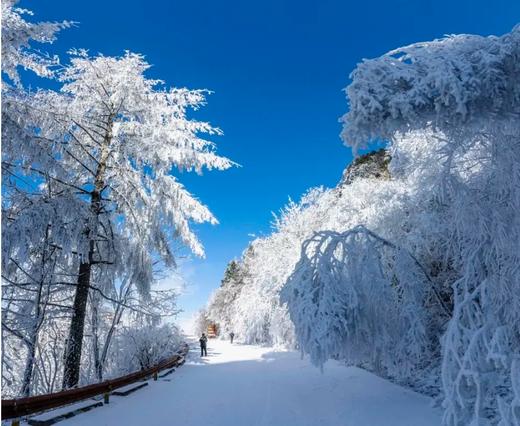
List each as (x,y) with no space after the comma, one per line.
(257,386)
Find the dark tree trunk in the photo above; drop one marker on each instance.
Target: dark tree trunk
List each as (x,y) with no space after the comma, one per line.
(28,372)
(75,340)
(77,325)
(98,367)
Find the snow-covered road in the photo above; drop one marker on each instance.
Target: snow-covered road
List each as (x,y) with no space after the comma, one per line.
(254,386)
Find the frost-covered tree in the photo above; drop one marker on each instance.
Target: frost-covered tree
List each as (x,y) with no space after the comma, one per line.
(202,322)
(121,309)
(358,297)
(18,38)
(31,281)
(143,347)
(465,92)
(18,52)
(110,141)
(126,332)
(445,224)
(251,308)
(222,303)
(40,264)
(31,297)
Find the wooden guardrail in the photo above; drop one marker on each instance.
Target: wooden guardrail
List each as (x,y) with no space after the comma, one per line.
(15,408)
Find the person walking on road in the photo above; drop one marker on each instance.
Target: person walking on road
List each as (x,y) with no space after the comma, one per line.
(203,345)
(231,336)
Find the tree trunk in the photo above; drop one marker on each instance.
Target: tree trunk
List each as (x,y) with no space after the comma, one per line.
(39,316)
(29,366)
(77,324)
(75,340)
(98,368)
(115,322)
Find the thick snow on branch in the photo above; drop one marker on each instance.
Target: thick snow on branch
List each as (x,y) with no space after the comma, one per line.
(358,297)
(446,83)
(112,130)
(17,38)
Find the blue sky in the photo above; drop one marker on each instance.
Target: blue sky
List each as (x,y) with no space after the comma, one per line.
(277,69)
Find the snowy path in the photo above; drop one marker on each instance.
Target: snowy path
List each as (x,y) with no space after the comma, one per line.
(253,386)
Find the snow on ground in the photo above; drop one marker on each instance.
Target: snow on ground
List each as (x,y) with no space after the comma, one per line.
(256,386)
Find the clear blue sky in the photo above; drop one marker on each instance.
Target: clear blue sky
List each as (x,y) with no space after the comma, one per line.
(277,69)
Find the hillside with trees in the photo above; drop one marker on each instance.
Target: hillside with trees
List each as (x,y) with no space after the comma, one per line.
(409,267)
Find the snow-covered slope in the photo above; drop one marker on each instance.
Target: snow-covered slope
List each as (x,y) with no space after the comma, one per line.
(251,385)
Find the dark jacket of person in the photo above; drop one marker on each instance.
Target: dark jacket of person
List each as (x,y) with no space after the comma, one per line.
(203,341)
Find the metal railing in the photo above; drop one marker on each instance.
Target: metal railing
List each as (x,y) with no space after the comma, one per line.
(16,408)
